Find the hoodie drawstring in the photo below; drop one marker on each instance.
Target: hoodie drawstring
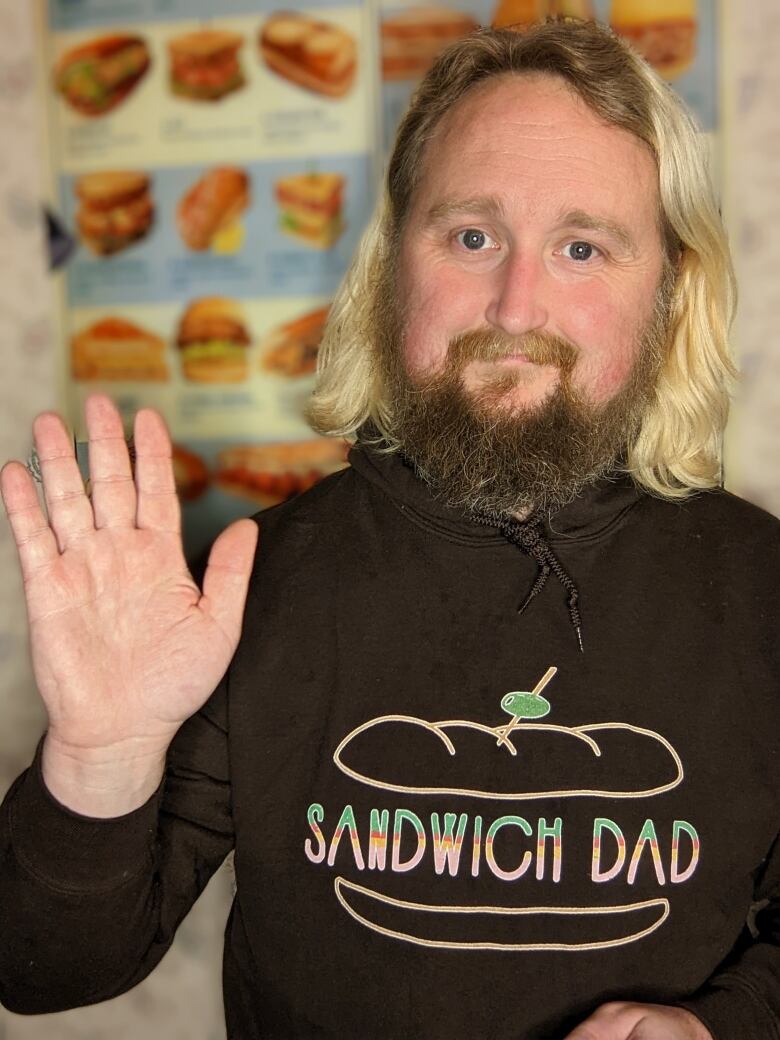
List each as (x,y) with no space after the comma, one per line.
(529,539)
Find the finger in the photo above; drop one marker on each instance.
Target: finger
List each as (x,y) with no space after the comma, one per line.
(110,473)
(69,509)
(226,579)
(35,541)
(158,505)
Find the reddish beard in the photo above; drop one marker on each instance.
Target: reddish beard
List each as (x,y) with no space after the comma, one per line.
(479,453)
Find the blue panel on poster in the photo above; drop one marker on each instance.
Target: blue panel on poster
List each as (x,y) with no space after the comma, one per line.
(85,14)
(271,262)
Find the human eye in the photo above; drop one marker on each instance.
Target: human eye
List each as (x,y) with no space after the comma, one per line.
(475,240)
(581,251)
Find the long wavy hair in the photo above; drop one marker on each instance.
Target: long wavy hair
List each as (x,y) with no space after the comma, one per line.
(678,446)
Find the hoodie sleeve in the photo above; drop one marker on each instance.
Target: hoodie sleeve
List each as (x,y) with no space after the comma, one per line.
(742,999)
(93,905)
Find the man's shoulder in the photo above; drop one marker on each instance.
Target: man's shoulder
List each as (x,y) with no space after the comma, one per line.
(720,510)
(722,528)
(318,504)
(318,518)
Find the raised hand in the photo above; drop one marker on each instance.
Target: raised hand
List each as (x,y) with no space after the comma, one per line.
(124,646)
(621,1020)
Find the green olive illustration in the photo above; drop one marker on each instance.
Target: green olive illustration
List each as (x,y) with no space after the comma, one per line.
(521,704)
(526,705)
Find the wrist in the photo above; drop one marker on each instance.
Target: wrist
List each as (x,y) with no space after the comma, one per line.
(103,782)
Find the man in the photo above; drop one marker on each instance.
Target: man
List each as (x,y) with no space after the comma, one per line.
(497,745)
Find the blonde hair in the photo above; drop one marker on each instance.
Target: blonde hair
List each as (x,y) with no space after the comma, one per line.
(678,446)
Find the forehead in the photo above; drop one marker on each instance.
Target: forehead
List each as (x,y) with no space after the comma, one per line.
(530,140)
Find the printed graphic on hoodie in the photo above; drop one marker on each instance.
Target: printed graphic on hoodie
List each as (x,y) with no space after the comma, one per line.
(447,759)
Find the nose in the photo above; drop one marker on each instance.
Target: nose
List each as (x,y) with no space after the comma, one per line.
(519,298)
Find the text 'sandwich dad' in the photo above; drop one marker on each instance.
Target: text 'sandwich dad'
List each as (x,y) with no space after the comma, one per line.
(116,209)
(213,340)
(98,75)
(205,65)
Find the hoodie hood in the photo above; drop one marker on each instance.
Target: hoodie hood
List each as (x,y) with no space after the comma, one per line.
(593,513)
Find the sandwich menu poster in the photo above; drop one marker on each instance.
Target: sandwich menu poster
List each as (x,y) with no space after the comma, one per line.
(212,167)
(677,37)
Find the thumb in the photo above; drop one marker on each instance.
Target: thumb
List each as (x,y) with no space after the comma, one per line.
(613,1021)
(227,574)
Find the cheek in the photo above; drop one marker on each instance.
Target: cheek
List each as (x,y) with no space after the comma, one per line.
(607,339)
(438,305)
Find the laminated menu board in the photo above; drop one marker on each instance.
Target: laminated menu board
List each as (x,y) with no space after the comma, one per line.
(677,37)
(214,166)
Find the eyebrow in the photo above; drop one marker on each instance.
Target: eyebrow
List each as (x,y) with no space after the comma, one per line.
(579,219)
(477,205)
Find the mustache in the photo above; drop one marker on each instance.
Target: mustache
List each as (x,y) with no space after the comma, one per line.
(540,348)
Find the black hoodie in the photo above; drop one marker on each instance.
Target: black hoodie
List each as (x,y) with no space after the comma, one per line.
(448,820)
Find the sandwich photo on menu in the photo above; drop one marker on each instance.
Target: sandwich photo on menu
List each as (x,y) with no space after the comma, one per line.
(572,9)
(115,349)
(318,56)
(190,473)
(208,213)
(291,349)
(267,474)
(412,39)
(116,209)
(519,13)
(205,65)
(524,13)
(213,340)
(310,207)
(98,75)
(663,31)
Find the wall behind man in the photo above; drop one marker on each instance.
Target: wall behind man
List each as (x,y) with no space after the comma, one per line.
(182,999)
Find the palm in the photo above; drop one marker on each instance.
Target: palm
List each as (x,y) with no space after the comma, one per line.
(124,645)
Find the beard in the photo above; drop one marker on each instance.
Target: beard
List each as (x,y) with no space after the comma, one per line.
(479,453)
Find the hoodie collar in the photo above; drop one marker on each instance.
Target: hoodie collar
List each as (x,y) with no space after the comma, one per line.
(595,511)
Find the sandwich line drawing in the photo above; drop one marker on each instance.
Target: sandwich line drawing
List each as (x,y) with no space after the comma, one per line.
(521,705)
(412,922)
(344,889)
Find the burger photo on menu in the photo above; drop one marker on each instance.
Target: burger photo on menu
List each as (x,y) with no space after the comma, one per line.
(116,209)
(267,474)
(207,214)
(213,340)
(663,31)
(310,207)
(291,349)
(205,65)
(98,75)
(316,55)
(114,349)
(412,39)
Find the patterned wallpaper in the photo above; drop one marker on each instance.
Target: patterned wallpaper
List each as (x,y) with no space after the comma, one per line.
(182,999)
